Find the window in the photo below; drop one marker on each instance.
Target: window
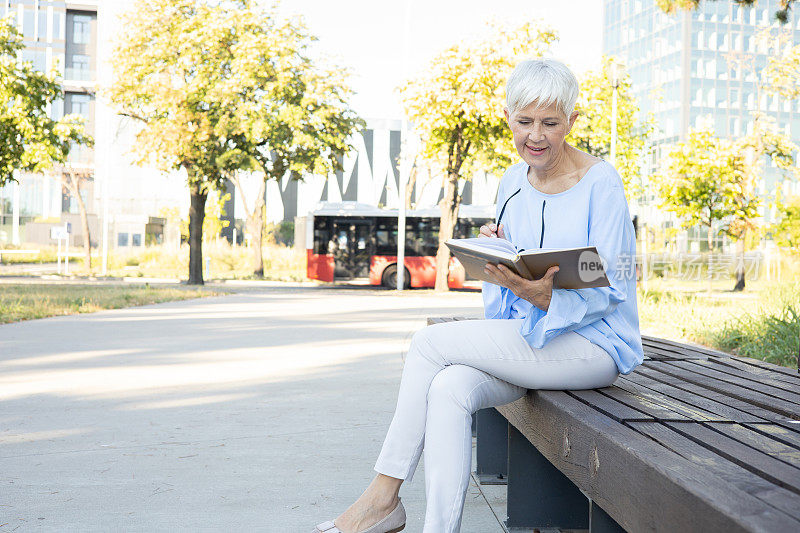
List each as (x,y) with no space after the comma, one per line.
(122,239)
(80,62)
(79,104)
(27,23)
(136,239)
(81,29)
(57,26)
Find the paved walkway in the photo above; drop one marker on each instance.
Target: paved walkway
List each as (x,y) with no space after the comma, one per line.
(258,411)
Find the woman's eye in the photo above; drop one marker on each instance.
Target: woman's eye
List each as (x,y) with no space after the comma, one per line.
(551,124)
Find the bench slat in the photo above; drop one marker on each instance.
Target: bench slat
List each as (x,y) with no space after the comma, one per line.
(763,443)
(776,405)
(729,413)
(672,353)
(689,411)
(625,471)
(742,364)
(772,495)
(758,462)
(609,406)
(771,375)
(644,405)
(701,368)
(724,399)
(788,372)
(778,433)
(659,342)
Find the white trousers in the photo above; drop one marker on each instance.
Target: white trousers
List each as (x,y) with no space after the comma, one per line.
(456,368)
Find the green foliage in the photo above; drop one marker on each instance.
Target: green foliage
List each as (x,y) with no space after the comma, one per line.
(456,105)
(288,113)
(281,233)
(213,222)
(171,65)
(786,231)
(592,130)
(671,6)
(768,334)
(29,139)
(767,331)
(227,86)
(704,181)
(782,75)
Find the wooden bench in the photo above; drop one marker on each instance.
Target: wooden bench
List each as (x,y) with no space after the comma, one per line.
(692,440)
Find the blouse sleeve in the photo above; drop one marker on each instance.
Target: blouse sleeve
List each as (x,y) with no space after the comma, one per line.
(611,231)
(497,300)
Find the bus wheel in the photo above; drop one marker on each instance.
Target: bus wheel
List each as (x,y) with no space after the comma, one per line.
(389,278)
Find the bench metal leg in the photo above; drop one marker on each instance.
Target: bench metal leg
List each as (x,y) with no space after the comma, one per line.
(601,522)
(491,447)
(539,495)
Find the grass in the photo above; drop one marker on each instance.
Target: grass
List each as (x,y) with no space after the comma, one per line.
(281,263)
(763,323)
(28,301)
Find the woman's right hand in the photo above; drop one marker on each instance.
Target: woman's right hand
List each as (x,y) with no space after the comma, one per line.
(492,230)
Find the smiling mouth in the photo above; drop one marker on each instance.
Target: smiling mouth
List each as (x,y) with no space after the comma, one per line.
(535,150)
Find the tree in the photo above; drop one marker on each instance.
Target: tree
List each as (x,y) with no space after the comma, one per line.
(292,115)
(786,231)
(72,178)
(171,68)
(780,78)
(763,142)
(782,75)
(456,108)
(30,140)
(216,88)
(670,6)
(592,130)
(705,181)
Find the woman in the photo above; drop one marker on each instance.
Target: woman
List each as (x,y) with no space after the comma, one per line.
(534,336)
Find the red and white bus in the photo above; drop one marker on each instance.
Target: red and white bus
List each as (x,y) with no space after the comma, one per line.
(349,240)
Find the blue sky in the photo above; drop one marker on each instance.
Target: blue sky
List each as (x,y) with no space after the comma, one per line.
(384,42)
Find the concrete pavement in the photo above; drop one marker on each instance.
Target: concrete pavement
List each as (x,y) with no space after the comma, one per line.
(262,410)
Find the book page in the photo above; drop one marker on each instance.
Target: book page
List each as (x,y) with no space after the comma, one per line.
(499,247)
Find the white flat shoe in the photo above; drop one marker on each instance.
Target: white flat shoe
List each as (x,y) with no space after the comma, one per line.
(392,523)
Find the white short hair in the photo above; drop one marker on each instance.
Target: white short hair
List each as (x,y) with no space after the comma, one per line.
(544,81)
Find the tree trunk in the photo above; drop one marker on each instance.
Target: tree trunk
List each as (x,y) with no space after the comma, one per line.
(72,180)
(197,212)
(449,217)
(740,266)
(710,238)
(255,227)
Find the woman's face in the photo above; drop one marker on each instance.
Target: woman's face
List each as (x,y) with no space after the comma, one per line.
(539,134)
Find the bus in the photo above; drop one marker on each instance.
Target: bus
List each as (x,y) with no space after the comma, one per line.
(349,240)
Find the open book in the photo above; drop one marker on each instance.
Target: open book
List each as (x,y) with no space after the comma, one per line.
(579,268)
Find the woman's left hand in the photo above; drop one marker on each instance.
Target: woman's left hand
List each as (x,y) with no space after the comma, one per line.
(538,292)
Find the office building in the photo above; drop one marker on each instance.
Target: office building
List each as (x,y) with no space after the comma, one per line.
(701,67)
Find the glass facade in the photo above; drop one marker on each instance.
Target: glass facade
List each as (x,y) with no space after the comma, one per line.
(49,32)
(701,67)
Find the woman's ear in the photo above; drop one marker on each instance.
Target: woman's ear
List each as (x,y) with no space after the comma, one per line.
(572,118)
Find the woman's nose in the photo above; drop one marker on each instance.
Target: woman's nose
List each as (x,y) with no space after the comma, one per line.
(535,133)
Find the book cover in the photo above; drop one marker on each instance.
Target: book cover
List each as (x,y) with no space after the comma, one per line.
(579,268)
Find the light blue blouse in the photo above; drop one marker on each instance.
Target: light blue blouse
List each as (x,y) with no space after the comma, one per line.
(593,212)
